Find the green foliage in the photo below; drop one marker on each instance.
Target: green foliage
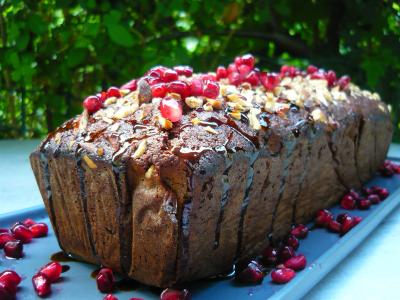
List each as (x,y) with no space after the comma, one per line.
(54,52)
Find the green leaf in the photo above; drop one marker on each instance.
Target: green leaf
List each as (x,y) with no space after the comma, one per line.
(22,41)
(36,24)
(76,57)
(113,17)
(119,35)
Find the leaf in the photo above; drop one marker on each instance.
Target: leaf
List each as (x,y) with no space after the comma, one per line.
(36,24)
(76,57)
(113,17)
(119,35)
(22,41)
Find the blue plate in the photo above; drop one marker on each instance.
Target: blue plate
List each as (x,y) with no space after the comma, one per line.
(323,250)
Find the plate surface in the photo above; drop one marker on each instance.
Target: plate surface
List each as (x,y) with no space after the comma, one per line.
(323,250)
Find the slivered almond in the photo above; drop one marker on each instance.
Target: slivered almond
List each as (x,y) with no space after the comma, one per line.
(194,102)
(110,101)
(100,151)
(208,107)
(165,123)
(70,144)
(84,120)
(236,114)
(149,172)
(217,104)
(253,120)
(125,111)
(318,115)
(195,121)
(124,91)
(239,99)
(107,120)
(57,138)
(210,130)
(141,149)
(89,162)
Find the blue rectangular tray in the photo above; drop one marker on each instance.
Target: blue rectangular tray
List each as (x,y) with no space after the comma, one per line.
(323,250)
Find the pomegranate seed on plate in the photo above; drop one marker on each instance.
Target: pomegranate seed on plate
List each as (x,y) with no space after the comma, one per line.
(10,277)
(269,256)
(39,230)
(323,217)
(292,241)
(22,233)
(52,271)
(374,198)
(170,294)
(42,285)
(28,222)
(7,292)
(285,253)
(179,87)
(300,231)
(252,274)
(4,238)
(348,202)
(14,249)
(282,275)
(296,263)
(105,280)
(334,226)
(364,204)
(110,297)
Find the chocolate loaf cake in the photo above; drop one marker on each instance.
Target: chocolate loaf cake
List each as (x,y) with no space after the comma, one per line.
(177,176)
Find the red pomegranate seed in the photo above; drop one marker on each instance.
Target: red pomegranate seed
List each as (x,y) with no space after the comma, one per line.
(5,230)
(153,80)
(208,76)
(269,256)
(269,80)
(318,75)
(367,191)
(356,220)
(296,263)
(171,109)
(334,226)
(289,71)
(234,78)
(293,242)
(323,217)
(39,230)
(169,75)
(102,96)
(14,249)
(179,87)
(343,82)
(28,222)
(113,92)
(244,70)
(285,253)
(170,294)
(374,198)
(4,238)
(42,285)
(300,231)
(252,274)
(131,85)
(196,87)
(282,275)
(364,204)
(231,68)
(105,280)
(110,297)
(348,202)
(311,69)
(383,193)
(159,90)
(331,78)
(252,78)
(248,60)
(10,277)
(354,194)
(92,104)
(52,271)
(22,233)
(184,70)
(221,72)
(211,89)
(7,292)
(156,71)
(347,224)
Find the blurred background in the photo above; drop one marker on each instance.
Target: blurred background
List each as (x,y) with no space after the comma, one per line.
(55,52)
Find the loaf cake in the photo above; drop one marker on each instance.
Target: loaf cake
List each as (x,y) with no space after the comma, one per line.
(177,176)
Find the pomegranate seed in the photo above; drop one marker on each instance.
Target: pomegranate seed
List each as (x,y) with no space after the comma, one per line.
(343,82)
(334,226)
(348,202)
(300,231)
(14,249)
(170,294)
(341,217)
(22,233)
(285,253)
(382,193)
(196,87)
(211,89)
(10,277)
(156,71)
(39,230)
(374,198)
(153,80)
(311,69)
(208,76)
(282,275)
(231,68)
(159,90)
(323,217)
(364,204)
(105,280)
(252,274)
(4,238)
(331,78)
(234,78)
(269,256)
(367,191)
(171,109)
(92,104)
(248,60)
(113,92)
(169,75)
(354,194)
(289,71)
(244,70)
(110,297)
(179,87)
(7,292)
(296,263)
(293,242)
(41,285)
(131,85)
(270,80)
(318,75)
(102,96)
(52,271)
(28,222)
(252,78)
(184,70)
(221,72)
(356,220)
(5,230)
(347,224)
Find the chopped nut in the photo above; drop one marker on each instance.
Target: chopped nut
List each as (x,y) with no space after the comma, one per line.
(207,107)
(237,98)
(253,120)
(124,91)
(195,121)
(318,115)
(125,111)
(84,120)
(149,172)
(194,102)
(141,149)
(70,144)
(100,151)
(270,106)
(114,127)
(89,162)
(110,100)
(57,138)
(217,104)
(375,96)
(246,86)
(236,114)
(210,130)
(165,123)
(107,120)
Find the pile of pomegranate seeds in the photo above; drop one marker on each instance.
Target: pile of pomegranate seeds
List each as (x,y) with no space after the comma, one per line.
(252,274)
(363,201)
(9,281)
(300,231)
(389,168)
(46,276)
(170,294)
(342,224)
(105,280)
(12,240)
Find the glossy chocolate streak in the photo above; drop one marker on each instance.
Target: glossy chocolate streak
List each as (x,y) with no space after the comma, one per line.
(82,190)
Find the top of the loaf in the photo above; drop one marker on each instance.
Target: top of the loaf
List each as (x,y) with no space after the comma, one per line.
(177,110)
